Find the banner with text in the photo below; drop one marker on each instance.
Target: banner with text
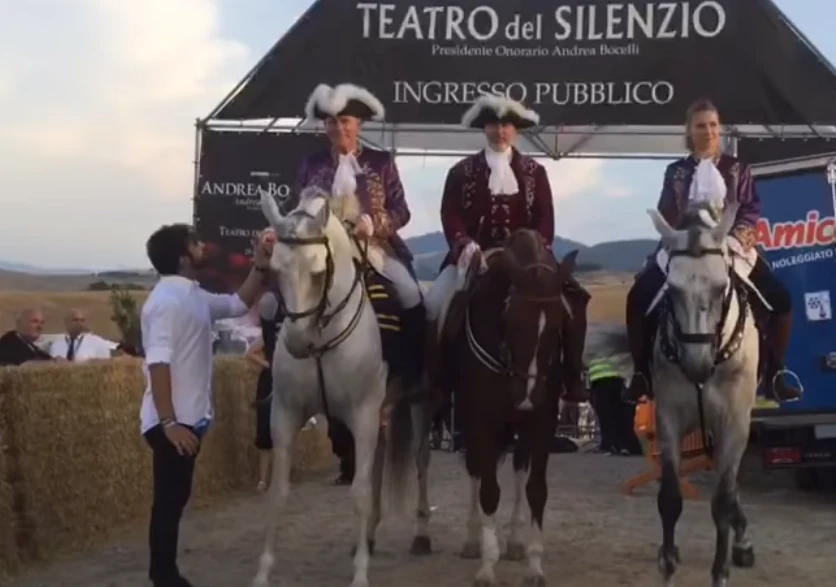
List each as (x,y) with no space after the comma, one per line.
(575,61)
(227,210)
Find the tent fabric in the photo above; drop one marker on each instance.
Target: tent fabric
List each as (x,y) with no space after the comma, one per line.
(593,69)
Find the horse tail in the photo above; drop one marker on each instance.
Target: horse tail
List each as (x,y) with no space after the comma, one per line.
(400,437)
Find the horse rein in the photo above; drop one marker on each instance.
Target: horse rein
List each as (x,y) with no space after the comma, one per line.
(495,365)
(323,317)
(669,349)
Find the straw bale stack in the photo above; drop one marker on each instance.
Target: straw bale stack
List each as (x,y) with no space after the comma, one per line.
(8,518)
(84,469)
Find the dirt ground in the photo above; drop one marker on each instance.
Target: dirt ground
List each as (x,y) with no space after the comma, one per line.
(594,536)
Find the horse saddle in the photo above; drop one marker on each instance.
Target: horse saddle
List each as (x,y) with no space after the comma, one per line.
(742,264)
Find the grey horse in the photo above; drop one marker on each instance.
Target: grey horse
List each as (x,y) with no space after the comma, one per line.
(704,375)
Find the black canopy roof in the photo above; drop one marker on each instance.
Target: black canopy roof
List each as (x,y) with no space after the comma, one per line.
(605,77)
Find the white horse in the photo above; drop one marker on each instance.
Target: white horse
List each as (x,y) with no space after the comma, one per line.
(328,359)
(704,375)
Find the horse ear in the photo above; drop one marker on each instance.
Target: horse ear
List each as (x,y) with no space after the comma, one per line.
(727,221)
(270,209)
(324,213)
(665,230)
(567,265)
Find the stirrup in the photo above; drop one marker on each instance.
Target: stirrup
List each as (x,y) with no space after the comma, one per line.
(795,376)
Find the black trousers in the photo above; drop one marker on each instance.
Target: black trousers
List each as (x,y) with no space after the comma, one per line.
(263,434)
(615,417)
(173,476)
(342,443)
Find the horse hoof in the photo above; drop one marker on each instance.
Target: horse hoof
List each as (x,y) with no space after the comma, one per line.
(668,560)
(260,581)
(534,581)
(369,545)
(421,546)
(515,552)
(743,557)
(721,582)
(471,551)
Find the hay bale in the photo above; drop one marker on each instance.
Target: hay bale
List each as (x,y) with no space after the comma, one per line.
(312,451)
(8,521)
(227,460)
(86,470)
(82,461)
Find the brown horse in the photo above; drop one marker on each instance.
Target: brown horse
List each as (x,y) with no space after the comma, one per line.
(509,336)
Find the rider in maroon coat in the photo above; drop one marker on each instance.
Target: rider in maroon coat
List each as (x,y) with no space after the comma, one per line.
(491,194)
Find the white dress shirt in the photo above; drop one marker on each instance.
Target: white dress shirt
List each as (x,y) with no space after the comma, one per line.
(177,323)
(87,346)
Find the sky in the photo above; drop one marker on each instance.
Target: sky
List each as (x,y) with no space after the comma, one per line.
(100,97)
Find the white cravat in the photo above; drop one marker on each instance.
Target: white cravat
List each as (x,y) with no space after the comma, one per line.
(345,178)
(502,180)
(708,185)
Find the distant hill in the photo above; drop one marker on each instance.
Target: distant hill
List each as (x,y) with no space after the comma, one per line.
(429,250)
(620,256)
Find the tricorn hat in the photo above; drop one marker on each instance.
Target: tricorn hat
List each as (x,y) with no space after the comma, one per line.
(343,100)
(491,109)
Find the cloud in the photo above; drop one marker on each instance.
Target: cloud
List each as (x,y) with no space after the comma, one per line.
(105,94)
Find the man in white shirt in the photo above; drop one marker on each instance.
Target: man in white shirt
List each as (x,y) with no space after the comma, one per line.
(79,344)
(177,409)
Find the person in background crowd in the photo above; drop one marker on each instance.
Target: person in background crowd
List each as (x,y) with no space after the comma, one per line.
(262,355)
(606,386)
(79,344)
(19,346)
(177,410)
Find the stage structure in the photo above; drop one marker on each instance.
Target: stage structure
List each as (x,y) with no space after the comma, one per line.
(609,79)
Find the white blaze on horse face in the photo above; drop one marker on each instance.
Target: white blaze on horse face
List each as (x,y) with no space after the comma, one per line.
(532,366)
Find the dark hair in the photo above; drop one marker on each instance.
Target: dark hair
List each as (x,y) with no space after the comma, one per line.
(168,245)
(701,105)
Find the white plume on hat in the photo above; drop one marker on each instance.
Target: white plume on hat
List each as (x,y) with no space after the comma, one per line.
(333,100)
(502,107)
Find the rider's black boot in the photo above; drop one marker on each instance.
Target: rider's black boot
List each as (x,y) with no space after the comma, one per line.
(639,349)
(414,329)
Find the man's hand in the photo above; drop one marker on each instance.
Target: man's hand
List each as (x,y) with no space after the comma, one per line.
(263,249)
(364,227)
(183,439)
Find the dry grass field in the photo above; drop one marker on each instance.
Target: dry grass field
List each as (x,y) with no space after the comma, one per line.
(54,295)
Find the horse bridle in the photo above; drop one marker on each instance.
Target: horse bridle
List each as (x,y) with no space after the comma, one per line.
(323,317)
(320,310)
(669,347)
(504,366)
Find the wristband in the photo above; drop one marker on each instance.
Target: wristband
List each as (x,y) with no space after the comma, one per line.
(168,422)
